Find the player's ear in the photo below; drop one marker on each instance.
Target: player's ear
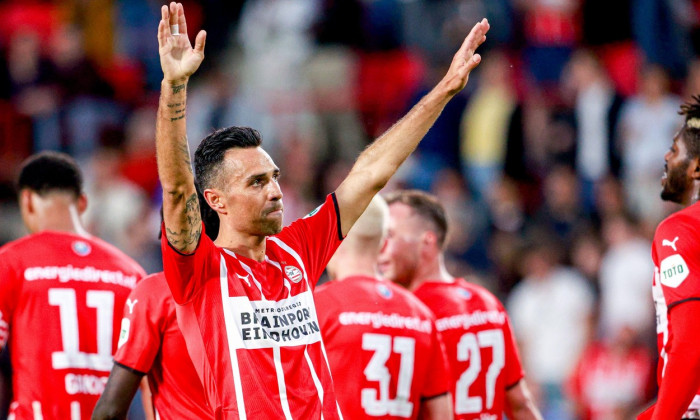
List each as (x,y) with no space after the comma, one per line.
(82,203)
(215,200)
(25,201)
(694,168)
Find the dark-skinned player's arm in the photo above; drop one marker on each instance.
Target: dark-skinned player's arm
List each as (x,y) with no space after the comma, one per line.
(120,390)
(378,163)
(179,61)
(681,380)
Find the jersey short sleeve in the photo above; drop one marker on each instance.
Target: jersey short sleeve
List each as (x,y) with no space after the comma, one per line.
(10,288)
(675,254)
(141,328)
(187,273)
(316,237)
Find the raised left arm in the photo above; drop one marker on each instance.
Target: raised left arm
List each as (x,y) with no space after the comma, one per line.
(378,163)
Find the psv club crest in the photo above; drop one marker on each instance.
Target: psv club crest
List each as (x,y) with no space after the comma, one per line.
(293,273)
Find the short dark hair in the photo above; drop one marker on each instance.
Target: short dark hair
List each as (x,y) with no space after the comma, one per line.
(47,172)
(425,206)
(691,129)
(211,151)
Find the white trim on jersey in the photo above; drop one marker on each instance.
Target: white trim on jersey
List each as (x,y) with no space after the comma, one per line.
(74,410)
(280,382)
(246,267)
(232,336)
(36,410)
(286,282)
(294,254)
(317,382)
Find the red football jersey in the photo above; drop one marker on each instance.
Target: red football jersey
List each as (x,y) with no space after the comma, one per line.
(676,277)
(251,327)
(384,351)
(151,343)
(479,343)
(61,295)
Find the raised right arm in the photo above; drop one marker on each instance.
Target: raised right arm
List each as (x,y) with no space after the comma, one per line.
(179,61)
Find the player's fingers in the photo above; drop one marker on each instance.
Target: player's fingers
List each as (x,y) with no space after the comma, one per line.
(173,13)
(200,41)
(473,62)
(474,39)
(164,13)
(181,19)
(162,33)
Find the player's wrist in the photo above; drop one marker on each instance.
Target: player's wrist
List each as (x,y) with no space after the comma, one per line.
(175,84)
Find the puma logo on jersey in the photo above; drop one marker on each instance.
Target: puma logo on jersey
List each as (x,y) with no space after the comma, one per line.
(244,278)
(672,243)
(131,304)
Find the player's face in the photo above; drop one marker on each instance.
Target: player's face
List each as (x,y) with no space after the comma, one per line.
(676,181)
(400,256)
(252,194)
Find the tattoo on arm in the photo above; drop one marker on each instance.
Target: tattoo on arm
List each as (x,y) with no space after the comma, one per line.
(185,150)
(178,88)
(190,234)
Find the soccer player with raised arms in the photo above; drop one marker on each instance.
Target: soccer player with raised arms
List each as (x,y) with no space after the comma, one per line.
(244,301)
(385,354)
(61,296)
(484,363)
(676,283)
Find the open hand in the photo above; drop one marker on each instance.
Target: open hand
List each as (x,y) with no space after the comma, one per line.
(177,57)
(466,60)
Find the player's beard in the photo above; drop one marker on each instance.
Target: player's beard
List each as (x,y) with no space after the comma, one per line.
(677,183)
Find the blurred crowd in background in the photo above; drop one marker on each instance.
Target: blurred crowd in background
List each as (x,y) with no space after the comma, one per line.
(549,163)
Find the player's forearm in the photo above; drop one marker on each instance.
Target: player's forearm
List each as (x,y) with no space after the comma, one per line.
(436,408)
(174,166)
(380,161)
(180,203)
(519,403)
(680,380)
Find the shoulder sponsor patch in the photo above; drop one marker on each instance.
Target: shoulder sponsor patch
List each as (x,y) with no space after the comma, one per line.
(673,271)
(314,211)
(124,333)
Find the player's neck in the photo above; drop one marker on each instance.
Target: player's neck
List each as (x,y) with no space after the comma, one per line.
(433,270)
(693,195)
(249,246)
(56,216)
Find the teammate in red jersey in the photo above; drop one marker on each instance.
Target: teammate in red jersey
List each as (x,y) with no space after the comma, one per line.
(61,297)
(244,303)
(481,351)
(676,284)
(382,345)
(151,344)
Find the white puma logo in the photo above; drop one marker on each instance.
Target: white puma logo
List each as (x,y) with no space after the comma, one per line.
(131,304)
(672,243)
(244,278)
